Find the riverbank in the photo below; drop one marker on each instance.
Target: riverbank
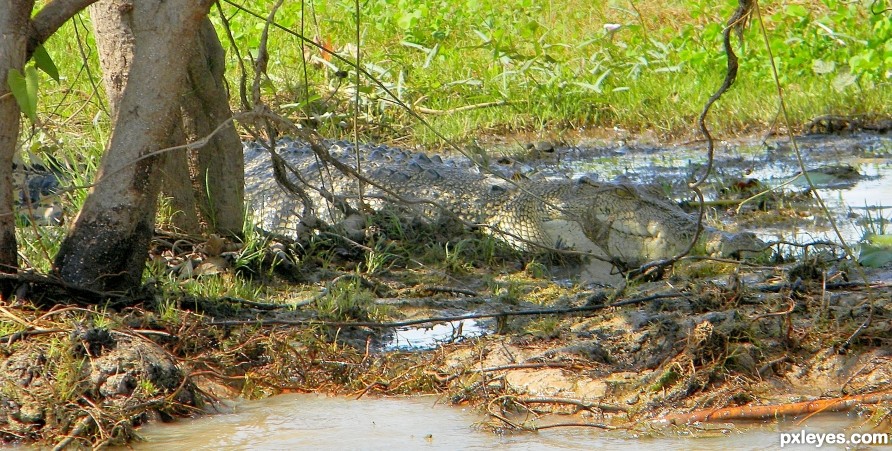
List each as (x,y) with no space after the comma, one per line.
(524,340)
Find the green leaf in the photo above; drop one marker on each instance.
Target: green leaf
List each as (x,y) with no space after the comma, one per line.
(31,82)
(43,62)
(18,85)
(795,10)
(876,252)
(843,81)
(874,257)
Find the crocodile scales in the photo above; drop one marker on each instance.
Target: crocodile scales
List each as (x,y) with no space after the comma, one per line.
(619,222)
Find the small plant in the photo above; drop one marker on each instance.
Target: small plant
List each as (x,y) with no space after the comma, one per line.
(67,369)
(168,310)
(347,301)
(874,225)
(666,380)
(145,388)
(379,259)
(545,327)
(875,249)
(510,292)
(102,320)
(536,270)
(457,259)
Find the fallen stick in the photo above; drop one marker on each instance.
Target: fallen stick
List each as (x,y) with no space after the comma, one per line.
(766,412)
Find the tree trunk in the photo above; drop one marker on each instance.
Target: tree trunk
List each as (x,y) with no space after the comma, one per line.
(206,184)
(107,244)
(218,168)
(14,21)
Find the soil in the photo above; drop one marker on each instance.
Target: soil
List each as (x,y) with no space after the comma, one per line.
(707,334)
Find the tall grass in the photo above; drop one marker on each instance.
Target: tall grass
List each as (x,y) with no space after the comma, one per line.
(565,64)
(555,65)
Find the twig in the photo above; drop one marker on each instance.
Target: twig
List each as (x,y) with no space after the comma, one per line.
(74,290)
(770,365)
(14,337)
(461,109)
(293,305)
(522,366)
(81,427)
(441,289)
(575,402)
(833,222)
(499,415)
(576,425)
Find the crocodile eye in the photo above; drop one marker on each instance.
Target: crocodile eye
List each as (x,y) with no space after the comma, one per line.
(624,192)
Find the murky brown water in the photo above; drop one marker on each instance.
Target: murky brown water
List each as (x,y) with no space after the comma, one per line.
(319,422)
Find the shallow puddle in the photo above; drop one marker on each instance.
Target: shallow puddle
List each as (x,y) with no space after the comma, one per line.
(429,337)
(318,422)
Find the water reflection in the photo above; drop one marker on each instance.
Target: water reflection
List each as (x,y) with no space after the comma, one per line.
(429,337)
(318,422)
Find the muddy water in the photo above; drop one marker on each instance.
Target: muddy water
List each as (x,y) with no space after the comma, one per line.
(318,422)
(855,200)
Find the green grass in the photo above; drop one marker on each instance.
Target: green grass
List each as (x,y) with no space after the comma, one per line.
(559,68)
(554,63)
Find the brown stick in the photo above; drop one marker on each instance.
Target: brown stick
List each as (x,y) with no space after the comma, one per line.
(575,425)
(766,412)
(582,404)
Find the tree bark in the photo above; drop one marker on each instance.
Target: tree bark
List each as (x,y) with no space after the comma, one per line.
(107,245)
(206,184)
(14,23)
(19,36)
(216,170)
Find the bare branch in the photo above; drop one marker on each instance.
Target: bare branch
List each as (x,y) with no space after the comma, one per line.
(50,18)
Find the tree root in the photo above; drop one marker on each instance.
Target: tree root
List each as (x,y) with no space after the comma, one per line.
(772,411)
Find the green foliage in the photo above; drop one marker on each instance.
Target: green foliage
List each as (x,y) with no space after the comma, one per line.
(545,327)
(44,62)
(24,85)
(560,63)
(347,301)
(876,251)
(24,89)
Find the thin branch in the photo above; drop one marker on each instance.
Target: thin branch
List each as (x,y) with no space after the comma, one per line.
(50,18)
(575,402)
(461,109)
(574,425)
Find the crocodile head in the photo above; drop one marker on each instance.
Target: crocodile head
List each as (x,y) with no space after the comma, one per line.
(633,224)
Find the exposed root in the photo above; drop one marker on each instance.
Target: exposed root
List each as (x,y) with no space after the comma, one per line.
(742,413)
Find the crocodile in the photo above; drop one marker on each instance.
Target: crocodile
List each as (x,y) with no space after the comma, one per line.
(623,223)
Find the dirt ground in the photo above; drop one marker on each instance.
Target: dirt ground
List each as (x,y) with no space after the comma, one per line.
(541,352)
